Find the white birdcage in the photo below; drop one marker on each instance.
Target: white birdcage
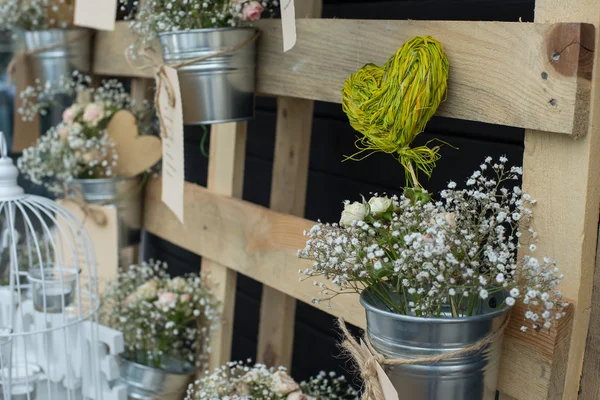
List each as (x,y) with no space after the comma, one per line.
(49,333)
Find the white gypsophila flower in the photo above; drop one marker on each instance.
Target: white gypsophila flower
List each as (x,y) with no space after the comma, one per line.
(438,263)
(242,381)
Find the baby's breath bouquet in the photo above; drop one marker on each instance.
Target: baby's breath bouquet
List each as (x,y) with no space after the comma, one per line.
(442,258)
(161,318)
(158,16)
(242,381)
(79,146)
(36,14)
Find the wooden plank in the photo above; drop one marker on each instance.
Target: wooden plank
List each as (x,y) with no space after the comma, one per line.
(25,134)
(288,195)
(226,177)
(255,241)
(501,72)
(590,384)
(568,224)
(262,244)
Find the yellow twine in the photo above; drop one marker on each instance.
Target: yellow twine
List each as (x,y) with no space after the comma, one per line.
(390,105)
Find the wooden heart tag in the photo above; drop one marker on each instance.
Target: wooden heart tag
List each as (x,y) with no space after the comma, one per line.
(136,153)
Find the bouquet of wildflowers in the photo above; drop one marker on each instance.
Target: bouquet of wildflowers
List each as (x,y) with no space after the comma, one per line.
(36,14)
(157,16)
(78,147)
(441,258)
(161,317)
(240,381)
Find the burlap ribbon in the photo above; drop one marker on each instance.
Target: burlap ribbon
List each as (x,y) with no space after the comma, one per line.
(74,195)
(162,78)
(368,363)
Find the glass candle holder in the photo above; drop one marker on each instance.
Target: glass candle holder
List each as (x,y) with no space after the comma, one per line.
(53,289)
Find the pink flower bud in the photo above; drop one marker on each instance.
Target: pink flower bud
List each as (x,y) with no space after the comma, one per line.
(252,11)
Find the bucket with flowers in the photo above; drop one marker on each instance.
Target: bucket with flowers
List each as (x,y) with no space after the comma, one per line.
(84,155)
(166,324)
(212,46)
(55,48)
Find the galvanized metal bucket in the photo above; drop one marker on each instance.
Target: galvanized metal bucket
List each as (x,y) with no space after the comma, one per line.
(126,195)
(219,89)
(146,383)
(468,377)
(56,53)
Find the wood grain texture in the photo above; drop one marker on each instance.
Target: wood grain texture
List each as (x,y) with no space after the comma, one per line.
(590,384)
(501,72)
(225,177)
(25,134)
(262,244)
(288,195)
(555,168)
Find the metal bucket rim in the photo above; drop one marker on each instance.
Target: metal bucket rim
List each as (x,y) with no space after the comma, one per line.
(104,180)
(162,371)
(206,30)
(426,320)
(39,31)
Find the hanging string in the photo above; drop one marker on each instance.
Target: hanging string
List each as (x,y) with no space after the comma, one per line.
(390,105)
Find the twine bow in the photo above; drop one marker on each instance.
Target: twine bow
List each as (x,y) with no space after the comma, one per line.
(74,195)
(367,363)
(163,79)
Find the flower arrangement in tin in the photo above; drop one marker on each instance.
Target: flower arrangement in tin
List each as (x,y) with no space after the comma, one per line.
(439,258)
(242,381)
(36,14)
(157,16)
(161,316)
(79,147)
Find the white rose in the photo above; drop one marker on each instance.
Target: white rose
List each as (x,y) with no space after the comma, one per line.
(282,384)
(353,212)
(379,205)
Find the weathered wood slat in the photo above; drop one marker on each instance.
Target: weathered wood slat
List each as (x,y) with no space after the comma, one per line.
(501,72)
(262,244)
(554,168)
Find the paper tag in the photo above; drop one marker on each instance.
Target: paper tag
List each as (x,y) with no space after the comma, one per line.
(104,239)
(173,178)
(288,23)
(389,391)
(96,14)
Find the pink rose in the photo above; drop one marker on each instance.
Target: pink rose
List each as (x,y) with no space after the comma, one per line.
(167,299)
(93,113)
(185,298)
(63,131)
(69,114)
(299,396)
(252,11)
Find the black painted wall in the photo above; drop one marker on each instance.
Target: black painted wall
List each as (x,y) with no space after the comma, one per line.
(331,181)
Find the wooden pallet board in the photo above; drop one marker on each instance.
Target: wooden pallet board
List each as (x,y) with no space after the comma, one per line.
(534,76)
(262,244)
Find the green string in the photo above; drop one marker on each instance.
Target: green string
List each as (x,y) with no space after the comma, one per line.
(203,141)
(390,105)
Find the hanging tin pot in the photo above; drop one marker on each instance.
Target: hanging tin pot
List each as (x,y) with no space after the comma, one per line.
(466,377)
(218,89)
(57,53)
(146,383)
(126,195)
